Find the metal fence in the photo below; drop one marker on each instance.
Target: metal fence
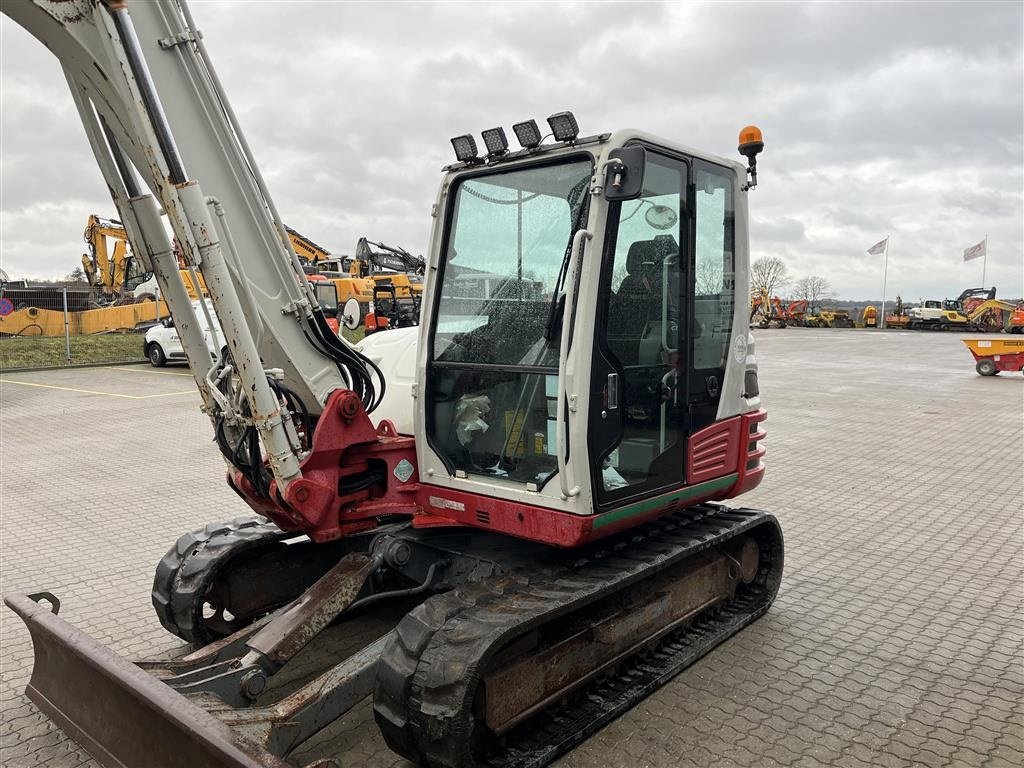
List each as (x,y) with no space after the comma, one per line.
(54,326)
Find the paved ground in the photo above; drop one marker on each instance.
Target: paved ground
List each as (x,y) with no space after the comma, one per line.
(896,639)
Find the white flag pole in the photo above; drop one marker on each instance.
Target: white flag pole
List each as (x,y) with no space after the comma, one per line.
(984,262)
(885,272)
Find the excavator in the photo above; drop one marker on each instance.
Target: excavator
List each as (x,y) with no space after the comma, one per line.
(397,278)
(525,489)
(314,257)
(796,310)
(975,309)
(991,315)
(113,273)
(379,289)
(765,311)
(389,265)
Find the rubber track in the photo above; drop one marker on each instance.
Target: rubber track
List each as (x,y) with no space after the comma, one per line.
(430,672)
(182,575)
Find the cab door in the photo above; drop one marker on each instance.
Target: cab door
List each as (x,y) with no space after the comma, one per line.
(664,326)
(639,385)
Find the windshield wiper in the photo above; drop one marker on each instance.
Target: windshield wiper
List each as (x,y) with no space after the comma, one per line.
(556,308)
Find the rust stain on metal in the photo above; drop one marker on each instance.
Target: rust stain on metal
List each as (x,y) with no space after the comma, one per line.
(542,668)
(78,11)
(315,609)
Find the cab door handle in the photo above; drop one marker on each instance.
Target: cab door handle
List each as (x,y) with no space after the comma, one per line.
(612,392)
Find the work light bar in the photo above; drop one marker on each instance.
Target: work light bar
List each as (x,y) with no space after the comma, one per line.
(465,148)
(528,134)
(495,141)
(563,126)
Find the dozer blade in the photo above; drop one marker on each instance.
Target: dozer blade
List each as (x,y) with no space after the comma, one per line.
(122,716)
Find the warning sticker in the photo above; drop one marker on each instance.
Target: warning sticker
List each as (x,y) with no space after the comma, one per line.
(404,469)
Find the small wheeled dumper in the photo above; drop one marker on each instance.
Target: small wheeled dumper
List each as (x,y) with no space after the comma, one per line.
(995,355)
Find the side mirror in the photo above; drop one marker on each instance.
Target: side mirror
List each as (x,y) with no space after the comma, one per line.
(167,322)
(624,173)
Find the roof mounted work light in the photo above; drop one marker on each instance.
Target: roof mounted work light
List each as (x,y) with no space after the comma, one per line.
(528,134)
(563,126)
(465,148)
(495,141)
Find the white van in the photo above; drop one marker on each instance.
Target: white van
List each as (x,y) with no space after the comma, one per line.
(163,344)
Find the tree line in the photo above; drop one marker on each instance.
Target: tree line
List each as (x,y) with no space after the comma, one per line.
(768,275)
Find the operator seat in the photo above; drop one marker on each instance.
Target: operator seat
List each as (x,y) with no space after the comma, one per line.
(638,302)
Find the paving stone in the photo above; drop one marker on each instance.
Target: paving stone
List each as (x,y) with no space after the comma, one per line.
(895,640)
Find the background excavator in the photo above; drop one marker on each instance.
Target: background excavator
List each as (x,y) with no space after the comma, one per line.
(764,311)
(317,260)
(389,265)
(397,282)
(975,309)
(533,504)
(378,289)
(796,310)
(111,271)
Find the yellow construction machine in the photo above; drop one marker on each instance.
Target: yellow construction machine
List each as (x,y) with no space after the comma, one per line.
(765,310)
(991,316)
(828,317)
(389,265)
(975,309)
(321,265)
(112,272)
(308,252)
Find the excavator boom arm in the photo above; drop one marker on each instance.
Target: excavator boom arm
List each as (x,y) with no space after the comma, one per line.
(140,72)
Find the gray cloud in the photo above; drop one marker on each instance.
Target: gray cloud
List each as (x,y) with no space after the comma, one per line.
(782,230)
(901,119)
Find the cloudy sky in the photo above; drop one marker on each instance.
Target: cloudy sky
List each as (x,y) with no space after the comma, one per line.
(901,119)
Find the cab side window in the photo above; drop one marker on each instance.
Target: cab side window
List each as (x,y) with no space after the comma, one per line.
(714,285)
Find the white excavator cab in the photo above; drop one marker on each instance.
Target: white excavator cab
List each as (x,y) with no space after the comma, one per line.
(575,339)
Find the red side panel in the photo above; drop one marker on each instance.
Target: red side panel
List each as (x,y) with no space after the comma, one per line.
(331,498)
(713,451)
(750,467)
(727,452)
(356,474)
(524,521)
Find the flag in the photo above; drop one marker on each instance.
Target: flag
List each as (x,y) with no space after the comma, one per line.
(975,251)
(878,247)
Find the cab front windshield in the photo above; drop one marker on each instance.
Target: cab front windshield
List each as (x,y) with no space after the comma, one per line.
(494,363)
